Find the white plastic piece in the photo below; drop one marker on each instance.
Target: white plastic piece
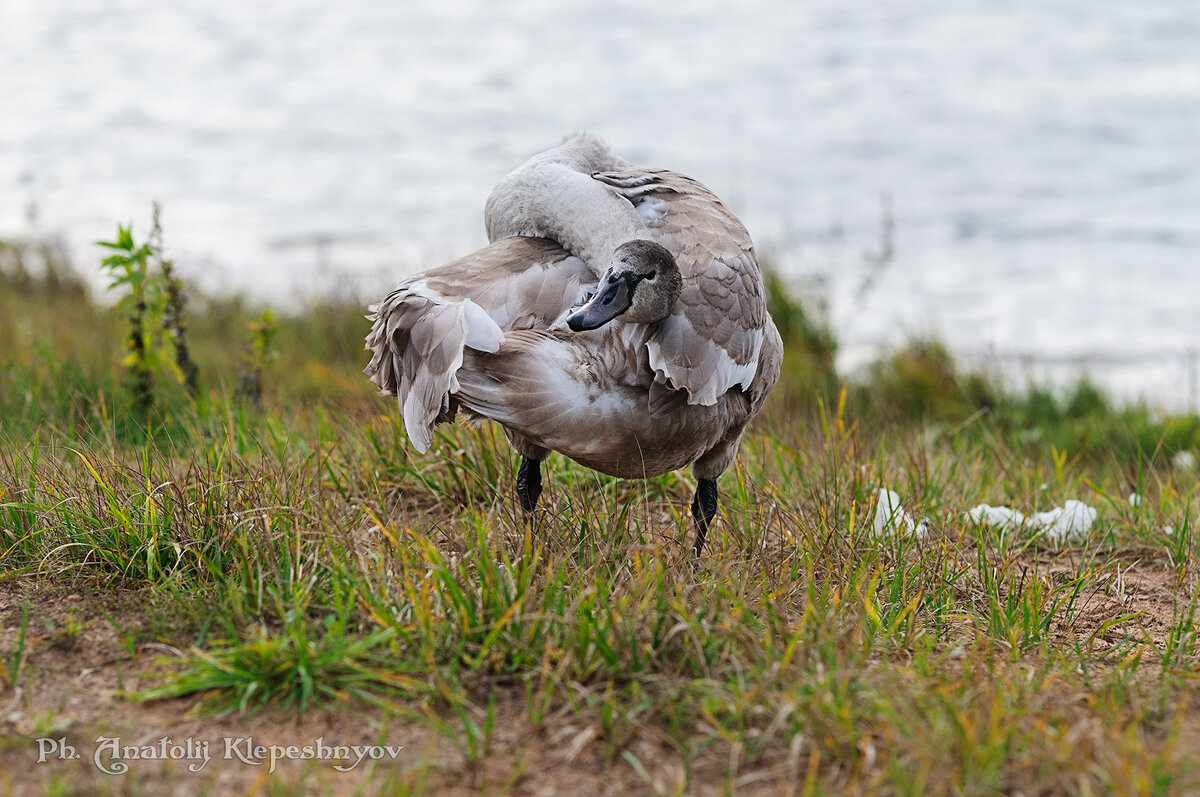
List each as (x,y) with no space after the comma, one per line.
(890,516)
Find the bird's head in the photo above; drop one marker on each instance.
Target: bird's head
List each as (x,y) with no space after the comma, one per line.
(641,285)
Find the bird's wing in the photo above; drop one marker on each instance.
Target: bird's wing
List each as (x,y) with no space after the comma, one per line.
(420,330)
(712,340)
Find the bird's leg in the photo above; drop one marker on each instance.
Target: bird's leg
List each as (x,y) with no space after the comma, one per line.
(529,483)
(704,508)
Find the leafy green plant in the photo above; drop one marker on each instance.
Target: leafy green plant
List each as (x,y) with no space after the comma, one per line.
(153,304)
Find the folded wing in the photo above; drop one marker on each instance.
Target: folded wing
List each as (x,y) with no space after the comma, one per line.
(420,330)
(712,340)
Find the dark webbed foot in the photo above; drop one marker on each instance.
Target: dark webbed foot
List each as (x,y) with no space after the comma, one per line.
(704,509)
(529,483)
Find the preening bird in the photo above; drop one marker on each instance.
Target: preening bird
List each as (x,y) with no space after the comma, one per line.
(618,317)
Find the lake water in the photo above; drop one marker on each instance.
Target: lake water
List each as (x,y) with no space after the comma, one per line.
(1037,163)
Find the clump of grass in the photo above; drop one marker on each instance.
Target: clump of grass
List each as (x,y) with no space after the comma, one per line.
(921,384)
(297,666)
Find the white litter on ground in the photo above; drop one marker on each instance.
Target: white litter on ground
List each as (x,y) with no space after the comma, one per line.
(1184,460)
(1068,523)
(891,517)
(1135,499)
(999,516)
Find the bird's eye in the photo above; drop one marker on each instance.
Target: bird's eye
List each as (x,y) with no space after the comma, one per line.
(651,275)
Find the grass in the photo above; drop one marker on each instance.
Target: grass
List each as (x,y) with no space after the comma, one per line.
(302,557)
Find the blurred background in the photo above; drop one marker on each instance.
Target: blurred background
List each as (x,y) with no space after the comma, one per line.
(1020,179)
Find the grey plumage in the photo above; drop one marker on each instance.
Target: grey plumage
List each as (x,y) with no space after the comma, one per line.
(420,330)
(486,333)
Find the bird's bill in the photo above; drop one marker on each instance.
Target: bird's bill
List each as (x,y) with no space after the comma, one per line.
(610,301)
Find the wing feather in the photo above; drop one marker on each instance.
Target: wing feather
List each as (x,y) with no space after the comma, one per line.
(712,340)
(422,330)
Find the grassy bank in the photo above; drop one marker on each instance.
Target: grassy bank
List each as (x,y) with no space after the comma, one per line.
(270,560)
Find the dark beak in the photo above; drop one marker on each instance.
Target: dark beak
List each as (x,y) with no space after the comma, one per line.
(610,301)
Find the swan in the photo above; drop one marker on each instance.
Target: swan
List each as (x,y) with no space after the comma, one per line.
(618,317)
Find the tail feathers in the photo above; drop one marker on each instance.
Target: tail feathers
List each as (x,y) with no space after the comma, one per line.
(417,343)
(529,388)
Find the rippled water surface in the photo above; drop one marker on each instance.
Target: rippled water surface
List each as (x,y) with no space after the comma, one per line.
(1038,163)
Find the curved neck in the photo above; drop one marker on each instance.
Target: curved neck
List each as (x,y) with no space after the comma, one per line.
(583,216)
(554,196)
